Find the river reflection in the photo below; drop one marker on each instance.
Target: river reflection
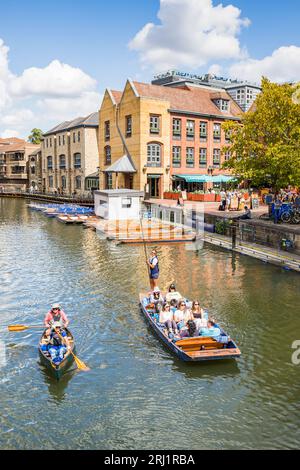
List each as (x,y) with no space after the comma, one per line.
(57,388)
(136,388)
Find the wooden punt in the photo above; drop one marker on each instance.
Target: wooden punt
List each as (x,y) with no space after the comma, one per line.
(60,369)
(197,349)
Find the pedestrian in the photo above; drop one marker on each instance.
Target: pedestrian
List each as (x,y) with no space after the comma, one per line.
(153,270)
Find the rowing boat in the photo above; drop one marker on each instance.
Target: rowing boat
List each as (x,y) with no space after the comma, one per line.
(60,369)
(196,349)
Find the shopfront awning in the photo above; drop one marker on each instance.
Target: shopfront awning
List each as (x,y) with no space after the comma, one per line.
(206,178)
(196,178)
(223,179)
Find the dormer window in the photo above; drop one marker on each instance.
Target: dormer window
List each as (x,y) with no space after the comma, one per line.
(223,105)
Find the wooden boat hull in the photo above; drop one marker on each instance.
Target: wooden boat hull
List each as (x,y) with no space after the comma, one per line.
(58,370)
(191,353)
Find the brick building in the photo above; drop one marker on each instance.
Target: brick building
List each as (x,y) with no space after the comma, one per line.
(14,158)
(151,137)
(69,155)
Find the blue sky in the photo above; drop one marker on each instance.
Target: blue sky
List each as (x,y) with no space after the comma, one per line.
(94,37)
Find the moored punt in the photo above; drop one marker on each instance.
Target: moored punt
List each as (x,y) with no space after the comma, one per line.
(60,369)
(196,349)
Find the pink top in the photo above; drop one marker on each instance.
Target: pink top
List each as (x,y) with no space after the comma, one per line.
(50,317)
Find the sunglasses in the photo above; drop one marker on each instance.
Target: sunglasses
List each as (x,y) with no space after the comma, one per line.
(196,304)
(182,305)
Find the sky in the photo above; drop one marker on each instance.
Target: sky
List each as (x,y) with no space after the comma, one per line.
(58,57)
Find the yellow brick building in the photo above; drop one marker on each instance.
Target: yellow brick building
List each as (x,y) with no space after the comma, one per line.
(152,136)
(134,141)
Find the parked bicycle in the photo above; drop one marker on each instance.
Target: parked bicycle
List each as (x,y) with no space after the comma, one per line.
(291,215)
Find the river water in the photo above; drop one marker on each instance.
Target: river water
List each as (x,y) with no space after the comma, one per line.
(137,395)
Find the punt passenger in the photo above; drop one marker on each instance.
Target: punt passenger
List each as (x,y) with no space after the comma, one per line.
(167,318)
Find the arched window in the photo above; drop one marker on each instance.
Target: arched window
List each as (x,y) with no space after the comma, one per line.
(49,163)
(78,182)
(62,162)
(63,182)
(154,155)
(107,154)
(77,160)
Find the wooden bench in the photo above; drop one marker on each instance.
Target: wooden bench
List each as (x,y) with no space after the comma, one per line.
(195,344)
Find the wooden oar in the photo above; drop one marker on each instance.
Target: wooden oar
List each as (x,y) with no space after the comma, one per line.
(16,328)
(80,364)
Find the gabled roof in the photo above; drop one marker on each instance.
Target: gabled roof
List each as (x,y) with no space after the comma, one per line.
(192,99)
(19,146)
(92,120)
(123,165)
(117,95)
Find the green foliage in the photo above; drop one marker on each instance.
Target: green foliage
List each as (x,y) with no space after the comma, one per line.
(35,136)
(265,148)
(222,226)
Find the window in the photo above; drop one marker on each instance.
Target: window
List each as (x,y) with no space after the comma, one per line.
(217,132)
(190,157)
(190,129)
(126,202)
(128,124)
(62,162)
(64,141)
(33,170)
(78,136)
(109,180)
(78,182)
(107,153)
(63,182)
(50,179)
(217,158)
(177,128)
(74,137)
(176,153)
(154,155)
(77,160)
(225,105)
(49,163)
(50,142)
(59,140)
(154,124)
(107,130)
(203,158)
(227,136)
(227,155)
(203,131)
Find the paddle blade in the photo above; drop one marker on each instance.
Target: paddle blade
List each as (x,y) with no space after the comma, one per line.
(80,364)
(17,328)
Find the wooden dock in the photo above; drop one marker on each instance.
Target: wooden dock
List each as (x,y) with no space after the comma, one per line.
(136,232)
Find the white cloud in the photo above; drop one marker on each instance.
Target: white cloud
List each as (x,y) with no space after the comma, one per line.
(55,80)
(191,33)
(70,108)
(282,66)
(43,97)
(17,118)
(9,133)
(5,75)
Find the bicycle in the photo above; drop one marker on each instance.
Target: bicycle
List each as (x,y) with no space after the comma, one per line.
(291,216)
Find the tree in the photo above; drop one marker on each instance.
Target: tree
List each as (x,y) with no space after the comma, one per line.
(265,149)
(35,136)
